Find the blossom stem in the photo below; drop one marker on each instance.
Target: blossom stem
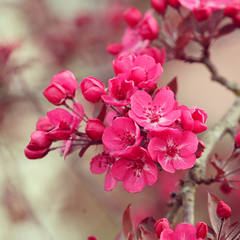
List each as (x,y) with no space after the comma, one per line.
(68,107)
(220,230)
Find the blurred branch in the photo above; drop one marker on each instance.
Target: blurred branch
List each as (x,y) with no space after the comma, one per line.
(235,88)
(197,173)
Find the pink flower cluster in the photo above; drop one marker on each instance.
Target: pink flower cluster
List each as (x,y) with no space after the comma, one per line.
(141,31)
(183,231)
(146,128)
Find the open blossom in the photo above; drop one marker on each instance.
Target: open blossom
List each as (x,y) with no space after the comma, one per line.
(122,137)
(183,231)
(135,170)
(143,70)
(173,149)
(64,124)
(102,163)
(153,114)
(120,90)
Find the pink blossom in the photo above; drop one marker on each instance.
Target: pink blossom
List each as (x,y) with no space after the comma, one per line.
(39,141)
(158,55)
(102,163)
(43,124)
(124,63)
(35,154)
(122,137)
(94,129)
(153,114)
(120,90)
(62,86)
(183,231)
(193,119)
(148,27)
(213,4)
(92,89)
(174,150)
(159,6)
(64,124)
(135,170)
(132,16)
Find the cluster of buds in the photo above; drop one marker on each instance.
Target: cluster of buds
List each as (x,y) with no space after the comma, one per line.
(141,127)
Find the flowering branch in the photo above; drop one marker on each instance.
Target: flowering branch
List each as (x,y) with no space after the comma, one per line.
(197,173)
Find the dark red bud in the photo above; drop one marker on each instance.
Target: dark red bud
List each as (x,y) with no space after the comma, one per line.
(94,129)
(202,12)
(159,6)
(223,210)
(35,154)
(202,230)
(39,141)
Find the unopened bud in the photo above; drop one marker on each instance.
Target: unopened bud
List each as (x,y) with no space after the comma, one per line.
(35,154)
(237,139)
(223,210)
(236,21)
(159,6)
(132,16)
(160,225)
(232,9)
(202,230)
(94,129)
(202,12)
(174,3)
(114,48)
(39,141)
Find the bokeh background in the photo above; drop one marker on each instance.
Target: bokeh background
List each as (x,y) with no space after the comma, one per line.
(53,199)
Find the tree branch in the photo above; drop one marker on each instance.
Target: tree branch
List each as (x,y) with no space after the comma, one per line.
(197,173)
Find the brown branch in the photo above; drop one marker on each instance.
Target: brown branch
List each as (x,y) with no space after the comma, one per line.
(197,173)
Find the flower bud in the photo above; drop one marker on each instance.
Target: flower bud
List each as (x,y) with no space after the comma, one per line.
(223,210)
(55,94)
(202,12)
(35,154)
(236,21)
(94,129)
(132,16)
(232,9)
(92,89)
(202,230)
(174,3)
(158,55)
(159,6)
(43,124)
(148,28)
(39,141)
(160,225)
(237,139)
(114,48)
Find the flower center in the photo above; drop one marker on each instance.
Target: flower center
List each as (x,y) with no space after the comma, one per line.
(127,138)
(172,150)
(154,113)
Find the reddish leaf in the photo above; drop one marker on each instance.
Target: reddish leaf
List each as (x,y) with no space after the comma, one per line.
(130,236)
(120,236)
(233,231)
(146,235)
(211,234)
(148,224)
(173,85)
(228,28)
(102,113)
(127,222)
(213,201)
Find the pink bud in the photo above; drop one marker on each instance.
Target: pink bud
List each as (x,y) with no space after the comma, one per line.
(236,21)
(174,3)
(202,12)
(92,89)
(159,6)
(55,94)
(202,230)
(43,124)
(157,54)
(223,210)
(39,141)
(132,16)
(94,129)
(92,238)
(160,225)
(232,9)
(35,154)
(114,48)
(237,139)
